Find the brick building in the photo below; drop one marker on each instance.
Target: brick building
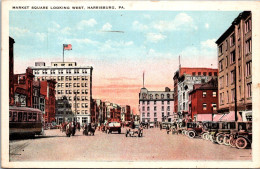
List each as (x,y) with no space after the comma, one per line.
(184,79)
(235,68)
(203,101)
(125,113)
(48,90)
(23,88)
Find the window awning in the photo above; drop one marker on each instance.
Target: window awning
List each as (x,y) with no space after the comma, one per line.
(228,117)
(217,117)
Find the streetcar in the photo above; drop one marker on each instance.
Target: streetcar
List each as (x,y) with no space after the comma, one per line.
(25,121)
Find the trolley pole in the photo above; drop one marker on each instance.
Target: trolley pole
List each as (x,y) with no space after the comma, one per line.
(235,94)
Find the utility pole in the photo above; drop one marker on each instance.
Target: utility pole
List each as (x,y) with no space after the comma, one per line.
(235,94)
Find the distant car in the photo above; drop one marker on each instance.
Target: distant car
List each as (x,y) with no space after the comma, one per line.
(113,126)
(151,124)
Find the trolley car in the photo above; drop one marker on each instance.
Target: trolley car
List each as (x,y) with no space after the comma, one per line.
(25,121)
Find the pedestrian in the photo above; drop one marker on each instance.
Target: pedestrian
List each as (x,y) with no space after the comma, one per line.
(168,129)
(160,126)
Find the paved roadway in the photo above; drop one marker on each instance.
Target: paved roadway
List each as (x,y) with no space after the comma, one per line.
(154,145)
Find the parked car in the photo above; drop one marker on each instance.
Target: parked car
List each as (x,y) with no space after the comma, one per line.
(151,124)
(113,126)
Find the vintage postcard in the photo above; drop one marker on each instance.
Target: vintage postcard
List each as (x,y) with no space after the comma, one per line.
(130,84)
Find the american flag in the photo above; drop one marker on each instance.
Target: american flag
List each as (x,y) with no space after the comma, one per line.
(67,46)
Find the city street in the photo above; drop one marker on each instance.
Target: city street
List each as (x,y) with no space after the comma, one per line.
(154,145)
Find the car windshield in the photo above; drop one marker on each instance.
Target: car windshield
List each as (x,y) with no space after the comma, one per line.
(114,124)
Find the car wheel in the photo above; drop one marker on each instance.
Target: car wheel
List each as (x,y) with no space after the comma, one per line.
(220,139)
(226,141)
(191,134)
(241,143)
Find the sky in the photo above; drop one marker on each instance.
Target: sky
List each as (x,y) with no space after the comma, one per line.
(120,45)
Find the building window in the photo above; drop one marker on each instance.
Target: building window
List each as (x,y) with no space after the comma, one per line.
(76,71)
(168,96)
(199,73)
(227,79)
(214,106)
(143,108)
(143,114)
(162,114)
(232,76)
(183,95)
(249,90)
(151,96)
(155,114)
(168,108)
(248,25)
(162,108)
(210,73)
(162,102)
(154,102)
(232,40)
(215,74)
(221,98)
(227,97)
(232,57)
(162,96)
(214,94)
(204,106)
(155,108)
(248,68)
(156,96)
(204,94)
(148,108)
(221,80)
(239,72)
(220,49)
(52,71)
(60,71)
(68,71)
(232,95)
(193,73)
(148,114)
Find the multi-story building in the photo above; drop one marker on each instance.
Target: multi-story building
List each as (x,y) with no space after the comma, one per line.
(184,79)
(36,94)
(48,90)
(156,105)
(203,101)
(63,111)
(125,113)
(235,68)
(74,82)
(23,89)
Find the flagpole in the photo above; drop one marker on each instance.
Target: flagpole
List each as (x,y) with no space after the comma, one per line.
(63,53)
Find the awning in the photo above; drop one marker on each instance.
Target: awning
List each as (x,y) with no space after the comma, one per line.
(217,117)
(204,117)
(228,117)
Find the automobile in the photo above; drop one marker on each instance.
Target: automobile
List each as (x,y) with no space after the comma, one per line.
(113,126)
(193,129)
(151,124)
(145,125)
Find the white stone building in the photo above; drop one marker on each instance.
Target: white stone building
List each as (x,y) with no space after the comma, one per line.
(74,82)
